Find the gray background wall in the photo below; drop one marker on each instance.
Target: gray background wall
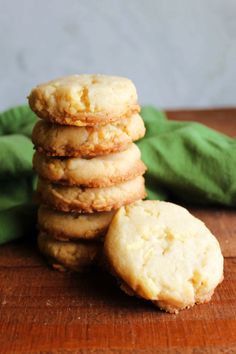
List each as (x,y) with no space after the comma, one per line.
(180,53)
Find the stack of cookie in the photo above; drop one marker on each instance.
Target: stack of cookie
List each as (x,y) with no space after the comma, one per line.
(87,163)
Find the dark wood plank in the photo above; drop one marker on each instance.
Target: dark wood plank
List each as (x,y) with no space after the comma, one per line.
(43,311)
(71,311)
(223,120)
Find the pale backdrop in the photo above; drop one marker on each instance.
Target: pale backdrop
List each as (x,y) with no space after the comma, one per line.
(180,53)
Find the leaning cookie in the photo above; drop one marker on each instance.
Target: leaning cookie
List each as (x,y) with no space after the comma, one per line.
(76,256)
(100,171)
(73,226)
(83,100)
(164,254)
(89,200)
(66,140)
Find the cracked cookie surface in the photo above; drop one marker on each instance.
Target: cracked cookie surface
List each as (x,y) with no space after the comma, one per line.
(164,254)
(83,100)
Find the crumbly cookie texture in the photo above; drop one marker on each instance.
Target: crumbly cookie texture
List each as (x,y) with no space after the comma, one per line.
(89,200)
(164,254)
(76,256)
(100,171)
(73,226)
(84,99)
(61,140)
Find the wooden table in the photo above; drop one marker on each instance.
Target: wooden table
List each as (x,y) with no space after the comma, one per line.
(43,311)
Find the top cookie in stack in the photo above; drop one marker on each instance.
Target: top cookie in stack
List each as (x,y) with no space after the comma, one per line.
(85,156)
(85,100)
(91,102)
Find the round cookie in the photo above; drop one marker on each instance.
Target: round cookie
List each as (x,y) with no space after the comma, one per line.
(100,171)
(89,200)
(61,140)
(75,256)
(164,254)
(83,100)
(72,226)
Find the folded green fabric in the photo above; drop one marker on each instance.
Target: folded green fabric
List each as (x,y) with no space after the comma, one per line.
(186,161)
(17,181)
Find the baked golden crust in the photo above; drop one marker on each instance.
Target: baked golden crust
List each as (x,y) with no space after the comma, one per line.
(100,171)
(89,200)
(83,100)
(73,226)
(76,256)
(87,118)
(163,254)
(58,140)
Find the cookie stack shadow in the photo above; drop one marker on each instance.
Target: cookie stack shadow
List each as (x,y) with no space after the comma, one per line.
(87,163)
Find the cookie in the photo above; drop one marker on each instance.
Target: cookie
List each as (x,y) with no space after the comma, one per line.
(89,200)
(100,171)
(61,140)
(76,256)
(73,226)
(164,254)
(83,100)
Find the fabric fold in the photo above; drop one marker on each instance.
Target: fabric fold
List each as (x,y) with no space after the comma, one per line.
(188,161)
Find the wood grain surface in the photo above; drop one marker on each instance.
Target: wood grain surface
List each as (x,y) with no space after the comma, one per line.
(43,311)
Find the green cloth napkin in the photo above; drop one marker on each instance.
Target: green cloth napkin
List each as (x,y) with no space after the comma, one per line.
(186,161)
(17,181)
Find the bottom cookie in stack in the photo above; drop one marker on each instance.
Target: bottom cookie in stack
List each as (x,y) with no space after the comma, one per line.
(71,255)
(72,241)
